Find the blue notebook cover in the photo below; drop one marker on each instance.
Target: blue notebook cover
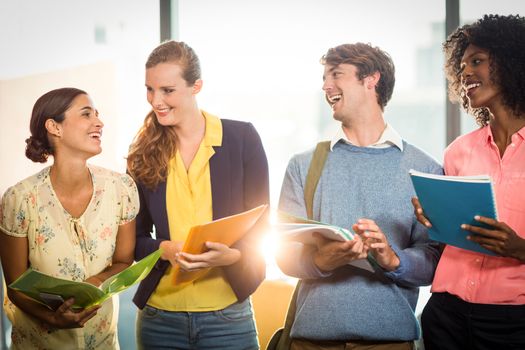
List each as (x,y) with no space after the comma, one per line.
(449,201)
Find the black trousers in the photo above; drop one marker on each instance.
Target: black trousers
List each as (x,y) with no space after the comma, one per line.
(450,323)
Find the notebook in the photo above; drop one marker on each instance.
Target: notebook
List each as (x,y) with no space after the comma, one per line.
(449,201)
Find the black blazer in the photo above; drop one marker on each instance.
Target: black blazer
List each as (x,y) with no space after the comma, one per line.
(239,181)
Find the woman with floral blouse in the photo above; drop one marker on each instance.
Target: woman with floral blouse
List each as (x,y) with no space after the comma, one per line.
(70,220)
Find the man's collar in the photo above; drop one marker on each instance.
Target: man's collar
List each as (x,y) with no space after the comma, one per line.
(389,137)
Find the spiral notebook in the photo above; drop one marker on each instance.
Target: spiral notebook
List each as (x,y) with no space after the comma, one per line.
(449,201)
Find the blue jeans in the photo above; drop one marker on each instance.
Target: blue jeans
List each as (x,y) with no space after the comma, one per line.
(232,328)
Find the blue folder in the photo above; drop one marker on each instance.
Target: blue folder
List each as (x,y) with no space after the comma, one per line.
(449,201)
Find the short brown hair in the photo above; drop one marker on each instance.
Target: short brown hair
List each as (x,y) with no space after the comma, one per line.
(368,60)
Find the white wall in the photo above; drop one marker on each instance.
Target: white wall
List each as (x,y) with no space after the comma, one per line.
(99,46)
(17,97)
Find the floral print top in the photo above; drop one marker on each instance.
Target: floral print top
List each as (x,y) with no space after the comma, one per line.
(67,247)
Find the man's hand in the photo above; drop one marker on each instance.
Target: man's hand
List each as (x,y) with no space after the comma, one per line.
(218,255)
(501,239)
(333,254)
(377,243)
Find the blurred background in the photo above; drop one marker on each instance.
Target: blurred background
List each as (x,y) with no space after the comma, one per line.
(260,63)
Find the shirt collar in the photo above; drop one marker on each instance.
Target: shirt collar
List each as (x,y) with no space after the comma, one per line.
(389,137)
(521,132)
(489,137)
(213,133)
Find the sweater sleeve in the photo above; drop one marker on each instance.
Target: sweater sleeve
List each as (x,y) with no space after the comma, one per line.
(419,260)
(293,258)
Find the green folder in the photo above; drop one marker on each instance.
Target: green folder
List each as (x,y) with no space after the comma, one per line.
(53,291)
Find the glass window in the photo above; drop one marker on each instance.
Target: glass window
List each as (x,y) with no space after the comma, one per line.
(46,45)
(260,62)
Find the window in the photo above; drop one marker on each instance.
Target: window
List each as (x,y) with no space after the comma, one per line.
(260,62)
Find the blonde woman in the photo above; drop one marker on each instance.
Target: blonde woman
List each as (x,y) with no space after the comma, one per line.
(192,167)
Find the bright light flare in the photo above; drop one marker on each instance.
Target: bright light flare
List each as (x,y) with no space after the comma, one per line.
(268,247)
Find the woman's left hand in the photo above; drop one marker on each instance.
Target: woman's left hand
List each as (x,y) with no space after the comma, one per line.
(218,255)
(500,239)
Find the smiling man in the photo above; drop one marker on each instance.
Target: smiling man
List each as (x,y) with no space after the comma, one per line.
(364,186)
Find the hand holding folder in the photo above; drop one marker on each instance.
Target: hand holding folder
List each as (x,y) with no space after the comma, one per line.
(53,291)
(450,201)
(226,230)
(293,228)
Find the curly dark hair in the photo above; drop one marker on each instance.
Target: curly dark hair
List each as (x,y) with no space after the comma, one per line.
(503,38)
(368,60)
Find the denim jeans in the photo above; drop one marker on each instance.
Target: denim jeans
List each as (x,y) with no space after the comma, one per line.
(232,328)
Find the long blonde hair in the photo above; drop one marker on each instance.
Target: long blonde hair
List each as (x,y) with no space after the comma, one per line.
(154,145)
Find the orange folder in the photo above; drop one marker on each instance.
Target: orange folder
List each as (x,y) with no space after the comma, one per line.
(226,230)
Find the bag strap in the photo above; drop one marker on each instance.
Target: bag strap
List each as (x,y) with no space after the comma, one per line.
(312,179)
(314,174)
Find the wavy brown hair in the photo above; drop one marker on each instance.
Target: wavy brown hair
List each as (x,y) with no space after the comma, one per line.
(502,37)
(154,145)
(368,60)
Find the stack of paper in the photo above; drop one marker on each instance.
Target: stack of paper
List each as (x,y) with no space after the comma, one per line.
(292,228)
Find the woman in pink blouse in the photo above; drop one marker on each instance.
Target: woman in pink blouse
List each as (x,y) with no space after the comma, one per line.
(478,301)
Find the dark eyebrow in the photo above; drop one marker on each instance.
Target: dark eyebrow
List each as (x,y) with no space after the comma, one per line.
(474,54)
(89,109)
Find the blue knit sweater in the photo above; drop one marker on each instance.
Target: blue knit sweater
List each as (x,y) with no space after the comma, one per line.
(350,303)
